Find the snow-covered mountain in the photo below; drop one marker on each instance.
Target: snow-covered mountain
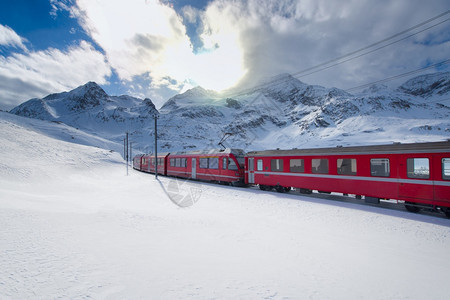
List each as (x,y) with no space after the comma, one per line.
(90,109)
(281,112)
(287,113)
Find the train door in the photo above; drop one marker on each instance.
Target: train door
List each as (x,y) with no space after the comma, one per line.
(442,177)
(251,170)
(194,168)
(418,182)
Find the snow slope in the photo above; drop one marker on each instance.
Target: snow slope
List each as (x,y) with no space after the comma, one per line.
(74,226)
(61,131)
(88,108)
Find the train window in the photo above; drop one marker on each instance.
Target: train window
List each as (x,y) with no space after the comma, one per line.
(213,162)
(184,162)
(446,168)
(224,163)
(319,165)
(203,163)
(276,165)
(232,165)
(379,167)
(259,165)
(177,162)
(144,161)
(172,162)
(297,165)
(153,161)
(418,168)
(346,166)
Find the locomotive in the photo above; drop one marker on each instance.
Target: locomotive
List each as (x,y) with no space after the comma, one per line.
(416,173)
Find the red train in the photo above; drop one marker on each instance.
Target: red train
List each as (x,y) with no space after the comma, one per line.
(146,163)
(418,174)
(223,166)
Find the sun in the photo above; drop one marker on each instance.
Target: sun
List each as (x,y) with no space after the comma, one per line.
(220,69)
(218,66)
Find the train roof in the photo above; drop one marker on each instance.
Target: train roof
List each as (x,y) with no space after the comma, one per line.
(162,154)
(238,152)
(375,149)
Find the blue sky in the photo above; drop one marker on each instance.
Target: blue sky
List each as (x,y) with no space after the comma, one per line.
(156,49)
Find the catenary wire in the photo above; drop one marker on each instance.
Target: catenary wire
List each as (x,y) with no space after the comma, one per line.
(379,42)
(399,75)
(371,51)
(298,74)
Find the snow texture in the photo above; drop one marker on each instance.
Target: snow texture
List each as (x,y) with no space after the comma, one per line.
(74,226)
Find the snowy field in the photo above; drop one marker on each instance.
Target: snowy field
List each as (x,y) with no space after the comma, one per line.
(74,226)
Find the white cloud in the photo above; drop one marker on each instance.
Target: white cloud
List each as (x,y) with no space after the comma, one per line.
(190,13)
(36,74)
(137,36)
(149,37)
(10,38)
(290,36)
(245,40)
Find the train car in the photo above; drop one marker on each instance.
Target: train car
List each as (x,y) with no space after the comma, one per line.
(137,162)
(219,165)
(146,163)
(418,174)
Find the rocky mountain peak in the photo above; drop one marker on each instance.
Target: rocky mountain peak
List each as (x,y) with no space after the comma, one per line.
(197,92)
(148,102)
(88,95)
(197,96)
(427,85)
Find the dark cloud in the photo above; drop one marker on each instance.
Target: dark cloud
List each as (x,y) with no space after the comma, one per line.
(14,91)
(291,36)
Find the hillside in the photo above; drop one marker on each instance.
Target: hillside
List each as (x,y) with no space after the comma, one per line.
(88,108)
(281,112)
(287,113)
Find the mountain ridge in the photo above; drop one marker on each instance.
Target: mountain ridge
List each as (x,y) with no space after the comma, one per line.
(280,113)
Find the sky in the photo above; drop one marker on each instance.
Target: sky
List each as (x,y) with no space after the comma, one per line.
(158,48)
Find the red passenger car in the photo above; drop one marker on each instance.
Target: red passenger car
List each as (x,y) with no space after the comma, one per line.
(146,163)
(418,174)
(137,162)
(223,166)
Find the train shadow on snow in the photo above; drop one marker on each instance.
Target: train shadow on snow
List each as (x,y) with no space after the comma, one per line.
(335,200)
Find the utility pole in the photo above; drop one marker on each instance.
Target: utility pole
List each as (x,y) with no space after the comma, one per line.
(126,147)
(131,154)
(156,144)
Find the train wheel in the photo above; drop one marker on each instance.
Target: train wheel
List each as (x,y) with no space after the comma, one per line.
(411,207)
(280,189)
(262,187)
(324,192)
(305,191)
(446,211)
(287,189)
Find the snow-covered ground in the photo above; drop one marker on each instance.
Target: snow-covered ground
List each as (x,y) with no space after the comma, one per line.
(73,225)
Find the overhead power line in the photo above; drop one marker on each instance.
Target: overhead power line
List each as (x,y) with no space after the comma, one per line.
(371,51)
(399,76)
(351,55)
(378,43)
